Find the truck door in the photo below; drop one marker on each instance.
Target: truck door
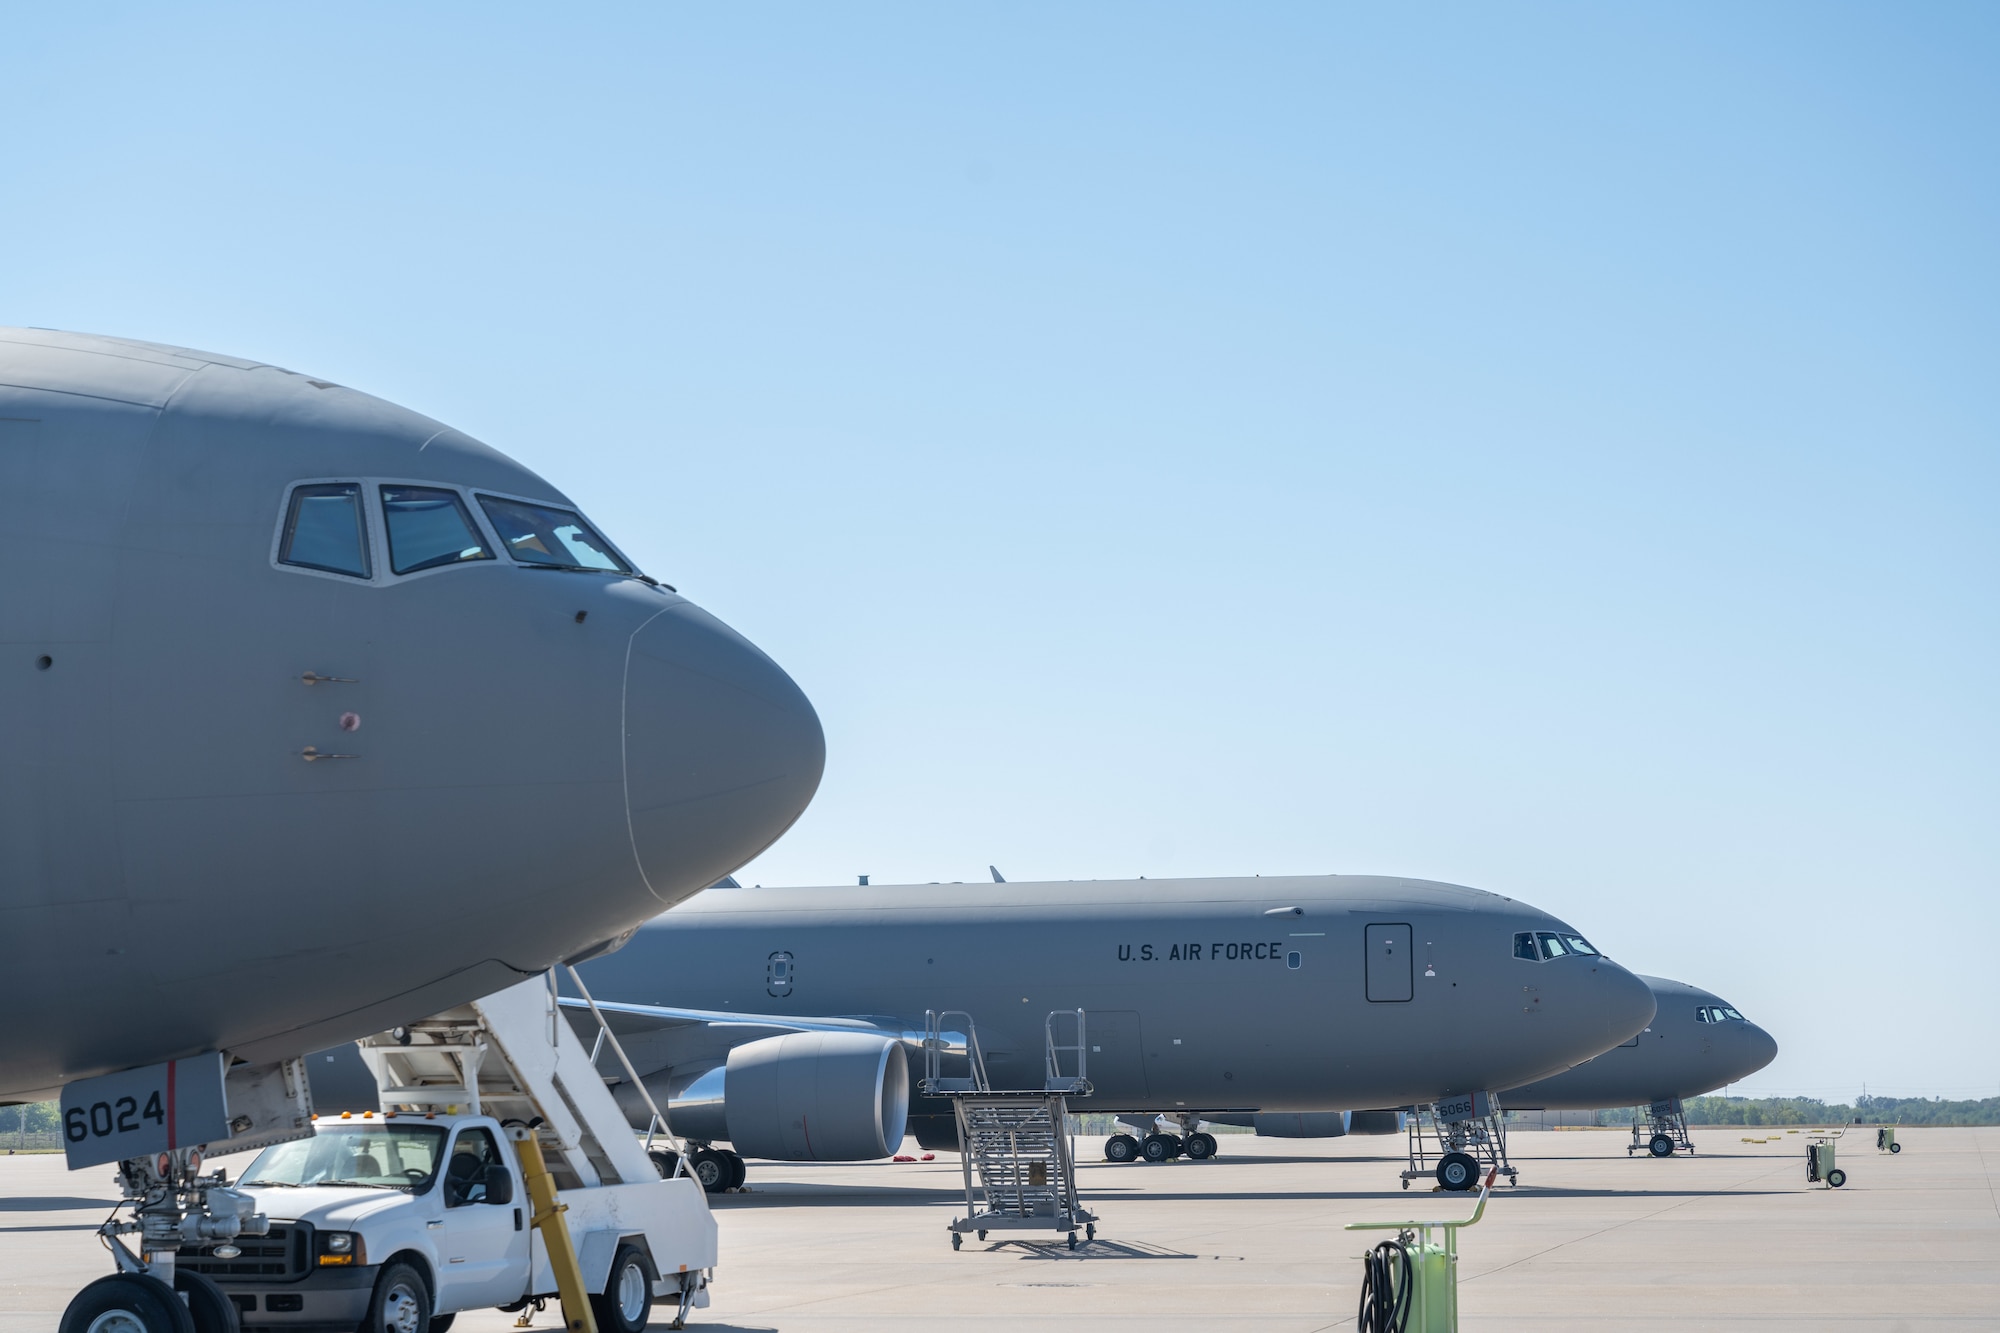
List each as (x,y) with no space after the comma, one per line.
(1390,972)
(482,1248)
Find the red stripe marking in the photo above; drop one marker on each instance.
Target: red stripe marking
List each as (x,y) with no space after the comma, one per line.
(173,1141)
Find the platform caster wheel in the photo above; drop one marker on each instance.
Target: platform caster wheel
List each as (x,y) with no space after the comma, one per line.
(1090,1232)
(1406,1182)
(127,1303)
(1121,1148)
(1200,1147)
(982,1235)
(1661,1146)
(1457,1172)
(1072,1240)
(1895,1147)
(956,1240)
(1836,1177)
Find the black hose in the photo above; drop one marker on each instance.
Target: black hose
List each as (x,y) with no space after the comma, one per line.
(1385,1290)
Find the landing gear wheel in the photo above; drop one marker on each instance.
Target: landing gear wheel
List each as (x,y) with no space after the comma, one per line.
(1661,1146)
(626,1303)
(1159,1148)
(738,1172)
(711,1169)
(1836,1177)
(665,1160)
(956,1240)
(127,1303)
(402,1303)
(1457,1171)
(1895,1147)
(212,1311)
(1121,1148)
(1200,1147)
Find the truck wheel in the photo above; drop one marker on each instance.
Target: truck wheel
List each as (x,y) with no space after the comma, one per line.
(738,1172)
(665,1160)
(127,1303)
(211,1311)
(1120,1148)
(710,1168)
(1661,1146)
(1456,1171)
(402,1302)
(626,1303)
(441,1322)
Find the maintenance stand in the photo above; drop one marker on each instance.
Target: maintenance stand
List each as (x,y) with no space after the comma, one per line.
(1456,1140)
(1665,1131)
(1017,1139)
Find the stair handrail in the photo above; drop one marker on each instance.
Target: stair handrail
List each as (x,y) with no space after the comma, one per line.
(1080,1085)
(605,1034)
(934,1050)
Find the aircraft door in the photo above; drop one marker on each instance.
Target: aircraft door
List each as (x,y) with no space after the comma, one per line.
(1117,1053)
(1391,974)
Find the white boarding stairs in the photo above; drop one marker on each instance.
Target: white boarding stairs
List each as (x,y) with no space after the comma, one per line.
(513,1056)
(1016,1140)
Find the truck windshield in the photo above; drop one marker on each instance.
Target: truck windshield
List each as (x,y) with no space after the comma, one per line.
(401,1157)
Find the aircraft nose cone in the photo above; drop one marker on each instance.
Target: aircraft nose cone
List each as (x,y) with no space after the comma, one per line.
(722,750)
(1620,1003)
(1759,1049)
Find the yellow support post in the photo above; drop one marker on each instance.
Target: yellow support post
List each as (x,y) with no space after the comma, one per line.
(548,1219)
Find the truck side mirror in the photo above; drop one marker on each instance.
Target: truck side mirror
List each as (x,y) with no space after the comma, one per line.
(499,1185)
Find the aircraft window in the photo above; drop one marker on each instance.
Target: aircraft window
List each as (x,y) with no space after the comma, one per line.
(1701,1014)
(1578,944)
(550,537)
(1727,1012)
(324,530)
(1552,947)
(428,527)
(1524,947)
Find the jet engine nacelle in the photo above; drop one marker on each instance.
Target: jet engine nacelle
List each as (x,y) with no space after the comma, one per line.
(1375,1122)
(802,1097)
(1301,1124)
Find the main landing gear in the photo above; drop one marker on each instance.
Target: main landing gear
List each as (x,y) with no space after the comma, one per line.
(717,1169)
(1193,1143)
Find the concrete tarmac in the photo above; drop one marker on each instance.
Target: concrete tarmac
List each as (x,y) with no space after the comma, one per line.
(1731,1238)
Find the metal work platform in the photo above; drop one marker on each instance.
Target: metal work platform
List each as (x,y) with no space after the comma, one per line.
(1663,1131)
(1016,1140)
(1457,1140)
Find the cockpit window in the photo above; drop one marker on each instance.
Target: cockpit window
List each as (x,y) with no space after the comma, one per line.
(1731,1013)
(428,527)
(1578,944)
(1552,945)
(552,538)
(324,530)
(1524,946)
(1717,1013)
(1701,1014)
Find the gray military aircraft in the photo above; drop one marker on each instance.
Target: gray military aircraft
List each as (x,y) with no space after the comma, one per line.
(1258,994)
(320,716)
(1696,1043)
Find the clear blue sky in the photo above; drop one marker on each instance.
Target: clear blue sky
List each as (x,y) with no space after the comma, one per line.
(1549,448)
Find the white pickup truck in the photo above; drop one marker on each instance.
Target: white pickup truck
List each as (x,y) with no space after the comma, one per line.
(393,1223)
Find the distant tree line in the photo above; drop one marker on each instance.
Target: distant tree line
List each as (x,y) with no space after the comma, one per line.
(41,1118)
(1812,1111)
